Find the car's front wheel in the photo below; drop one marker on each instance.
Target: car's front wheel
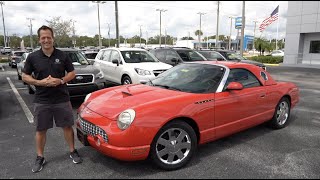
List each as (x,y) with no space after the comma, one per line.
(173,146)
(281,114)
(126,80)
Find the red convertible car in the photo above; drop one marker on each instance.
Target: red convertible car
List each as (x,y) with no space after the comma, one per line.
(187,105)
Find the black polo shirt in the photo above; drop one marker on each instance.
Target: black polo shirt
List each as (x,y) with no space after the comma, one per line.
(41,66)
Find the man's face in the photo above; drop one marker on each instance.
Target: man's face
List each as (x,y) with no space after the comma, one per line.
(46,39)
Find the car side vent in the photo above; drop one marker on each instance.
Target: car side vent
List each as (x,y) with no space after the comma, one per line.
(205,101)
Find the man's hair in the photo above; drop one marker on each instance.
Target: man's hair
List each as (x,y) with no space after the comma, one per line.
(44,27)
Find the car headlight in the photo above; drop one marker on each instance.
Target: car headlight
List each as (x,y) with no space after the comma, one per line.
(126,118)
(87,97)
(142,72)
(99,76)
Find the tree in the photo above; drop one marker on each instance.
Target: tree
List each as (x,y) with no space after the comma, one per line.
(187,38)
(62,31)
(198,32)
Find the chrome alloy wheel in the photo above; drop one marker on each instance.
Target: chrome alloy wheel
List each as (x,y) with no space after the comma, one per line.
(173,146)
(282,113)
(126,81)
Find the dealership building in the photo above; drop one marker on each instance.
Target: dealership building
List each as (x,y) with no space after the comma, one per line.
(302,42)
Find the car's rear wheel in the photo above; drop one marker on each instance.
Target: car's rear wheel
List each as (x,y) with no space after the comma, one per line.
(126,80)
(173,146)
(281,114)
(30,90)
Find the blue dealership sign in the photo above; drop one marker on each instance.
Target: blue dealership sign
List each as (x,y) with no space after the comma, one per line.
(238,22)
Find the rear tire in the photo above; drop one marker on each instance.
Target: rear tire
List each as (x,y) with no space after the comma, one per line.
(174,145)
(281,115)
(30,90)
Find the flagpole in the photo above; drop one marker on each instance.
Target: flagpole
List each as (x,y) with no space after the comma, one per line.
(277,29)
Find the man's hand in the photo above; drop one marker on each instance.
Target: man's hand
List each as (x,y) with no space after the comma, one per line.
(52,82)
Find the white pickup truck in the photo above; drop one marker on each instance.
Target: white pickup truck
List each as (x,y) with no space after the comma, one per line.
(5,50)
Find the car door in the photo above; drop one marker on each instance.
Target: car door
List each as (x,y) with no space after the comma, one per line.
(115,70)
(237,109)
(103,63)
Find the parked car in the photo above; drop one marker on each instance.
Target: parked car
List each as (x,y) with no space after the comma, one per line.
(21,63)
(188,105)
(6,50)
(277,53)
(176,55)
(128,65)
(14,58)
(227,55)
(88,78)
(90,56)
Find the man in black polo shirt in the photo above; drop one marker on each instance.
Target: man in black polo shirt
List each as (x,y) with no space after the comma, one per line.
(49,69)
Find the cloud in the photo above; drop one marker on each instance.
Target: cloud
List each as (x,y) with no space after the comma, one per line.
(180,18)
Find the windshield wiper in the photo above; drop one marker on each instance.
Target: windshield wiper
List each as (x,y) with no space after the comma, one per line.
(167,87)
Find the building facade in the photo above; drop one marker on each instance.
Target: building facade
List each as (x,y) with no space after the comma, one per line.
(302,43)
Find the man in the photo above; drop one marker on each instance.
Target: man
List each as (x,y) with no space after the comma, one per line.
(51,69)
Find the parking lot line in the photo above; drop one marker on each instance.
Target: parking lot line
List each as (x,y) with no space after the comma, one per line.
(21,101)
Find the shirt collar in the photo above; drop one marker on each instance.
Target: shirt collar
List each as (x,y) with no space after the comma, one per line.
(53,53)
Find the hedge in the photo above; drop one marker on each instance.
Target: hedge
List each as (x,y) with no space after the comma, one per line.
(267,59)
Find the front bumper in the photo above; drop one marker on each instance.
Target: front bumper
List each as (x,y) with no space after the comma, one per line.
(104,137)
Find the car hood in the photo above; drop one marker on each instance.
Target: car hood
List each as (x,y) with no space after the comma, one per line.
(85,69)
(150,66)
(110,104)
(252,62)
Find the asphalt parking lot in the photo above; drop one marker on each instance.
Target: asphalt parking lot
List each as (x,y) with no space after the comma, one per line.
(259,152)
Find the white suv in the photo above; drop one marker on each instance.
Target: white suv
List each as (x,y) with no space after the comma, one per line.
(128,65)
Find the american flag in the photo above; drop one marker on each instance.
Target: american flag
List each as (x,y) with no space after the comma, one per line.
(270,19)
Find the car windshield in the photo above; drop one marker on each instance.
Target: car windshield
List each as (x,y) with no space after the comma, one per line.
(18,53)
(190,77)
(211,55)
(77,58)
(234,56)
(189,55)
(138,57)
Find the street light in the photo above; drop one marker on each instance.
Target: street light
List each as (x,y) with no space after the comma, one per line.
(231,17)
(109,33)
(31,38)
(161,10)
(254,35)
(140,35)
(4,28)
(74,34)
(98,2)
(199,35)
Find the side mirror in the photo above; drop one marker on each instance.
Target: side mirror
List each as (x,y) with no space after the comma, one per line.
(115,61)
(234,86)
(174,60)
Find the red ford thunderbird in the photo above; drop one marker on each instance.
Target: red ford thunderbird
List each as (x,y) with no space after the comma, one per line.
(187,105)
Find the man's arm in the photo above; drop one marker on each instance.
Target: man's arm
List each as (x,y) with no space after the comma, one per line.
(69,76)
(30,80)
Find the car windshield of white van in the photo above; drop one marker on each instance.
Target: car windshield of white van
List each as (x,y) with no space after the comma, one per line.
(137,57)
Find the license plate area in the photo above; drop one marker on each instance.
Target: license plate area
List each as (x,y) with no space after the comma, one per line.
(82,137)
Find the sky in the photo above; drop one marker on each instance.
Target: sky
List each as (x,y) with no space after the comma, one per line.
(181,18)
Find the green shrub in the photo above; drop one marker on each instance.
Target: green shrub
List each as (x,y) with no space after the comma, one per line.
(267,59)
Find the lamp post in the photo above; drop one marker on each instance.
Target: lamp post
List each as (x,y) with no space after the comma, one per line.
(4,27)
(254,35)
(242,27)
(108,34)
(230,31)
(199,35)
(99,2)
(74,34)
(31,38)
(140,35)
(161,10)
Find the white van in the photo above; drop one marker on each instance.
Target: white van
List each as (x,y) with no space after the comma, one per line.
(128,65)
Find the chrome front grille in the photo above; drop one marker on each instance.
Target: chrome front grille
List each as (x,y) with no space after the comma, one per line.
(159,71)
(92,129)
(82,79)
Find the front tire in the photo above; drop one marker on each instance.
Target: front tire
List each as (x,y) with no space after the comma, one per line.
(126,80)
(281,114)
(173,146)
